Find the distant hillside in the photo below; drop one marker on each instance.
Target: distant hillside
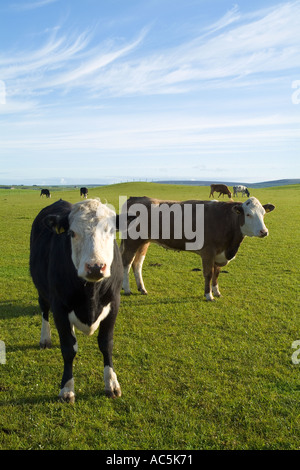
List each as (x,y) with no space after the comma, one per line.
(264,184)
(267,184)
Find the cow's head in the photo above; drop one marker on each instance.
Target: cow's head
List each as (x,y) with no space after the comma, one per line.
(91,226)
(252,212)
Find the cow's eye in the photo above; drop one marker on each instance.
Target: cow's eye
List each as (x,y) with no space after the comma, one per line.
(248,215)
(72,233)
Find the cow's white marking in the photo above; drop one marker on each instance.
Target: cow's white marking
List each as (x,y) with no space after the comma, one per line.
(137,269)
(93,228)
(88,329)
(209,296)
(221,258)
(75,346)
(216,291)
(111,382)
(67,393)
(45,340)
(254,218)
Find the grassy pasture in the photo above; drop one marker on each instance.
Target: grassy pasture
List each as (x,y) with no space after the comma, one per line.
(194,375)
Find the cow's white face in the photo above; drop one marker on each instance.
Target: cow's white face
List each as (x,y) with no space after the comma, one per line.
(254,212)
(92,228)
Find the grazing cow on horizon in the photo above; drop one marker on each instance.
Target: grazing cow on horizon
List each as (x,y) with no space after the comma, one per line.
(76,267)
(45,192)
(225,225)
(84,192)
(220,188)
(241,189)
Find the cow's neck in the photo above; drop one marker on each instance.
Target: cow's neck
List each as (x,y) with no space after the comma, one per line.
(234,244)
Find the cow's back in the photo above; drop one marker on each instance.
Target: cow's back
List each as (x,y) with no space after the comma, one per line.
(219,221)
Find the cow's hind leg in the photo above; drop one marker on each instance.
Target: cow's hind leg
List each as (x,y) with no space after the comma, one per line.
(128,254)
(137,266)
(45,339)
(105,342)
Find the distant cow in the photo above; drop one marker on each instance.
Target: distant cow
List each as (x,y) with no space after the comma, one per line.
(241,189)
(225,226)
(220,188)
(76,267)
(84,192)
(45,192)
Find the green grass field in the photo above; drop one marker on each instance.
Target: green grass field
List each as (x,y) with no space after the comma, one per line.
(194,374)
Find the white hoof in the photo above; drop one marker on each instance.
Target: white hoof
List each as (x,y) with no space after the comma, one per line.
(67,393)
(209,297)
(112,386)
(216,291)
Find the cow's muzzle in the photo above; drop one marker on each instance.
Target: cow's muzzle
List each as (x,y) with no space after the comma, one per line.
(95,272)
(263,233)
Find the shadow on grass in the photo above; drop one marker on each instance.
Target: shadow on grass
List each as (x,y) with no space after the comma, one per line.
(50,398)
(138,298)
(13,309)
(33,346)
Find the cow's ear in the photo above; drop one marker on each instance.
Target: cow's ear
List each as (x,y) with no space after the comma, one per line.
(56,223)
(269,207)
(238,209)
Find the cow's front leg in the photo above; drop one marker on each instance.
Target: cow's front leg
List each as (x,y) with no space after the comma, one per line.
(207,263)
(68,345)
(112,386)
(105,342)
(215,285)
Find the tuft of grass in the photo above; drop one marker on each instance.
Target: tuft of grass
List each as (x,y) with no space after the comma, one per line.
(194,375)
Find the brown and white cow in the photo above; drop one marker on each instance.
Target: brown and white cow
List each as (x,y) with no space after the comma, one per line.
(221,189)
(224,225)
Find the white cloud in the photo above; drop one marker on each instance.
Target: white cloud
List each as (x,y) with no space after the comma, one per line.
(229,18)
(90,66)
(31,5)
(264,43)
(235,47)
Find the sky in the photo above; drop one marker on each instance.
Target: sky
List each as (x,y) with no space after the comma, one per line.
(99,91)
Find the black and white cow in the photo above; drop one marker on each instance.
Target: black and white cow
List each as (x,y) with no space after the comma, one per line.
(45,192)
(84,192)
(76,267)
(241,189)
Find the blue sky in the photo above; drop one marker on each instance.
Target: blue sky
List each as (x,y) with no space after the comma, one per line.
(101,91)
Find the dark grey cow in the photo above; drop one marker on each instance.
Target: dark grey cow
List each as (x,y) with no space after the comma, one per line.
(76,267)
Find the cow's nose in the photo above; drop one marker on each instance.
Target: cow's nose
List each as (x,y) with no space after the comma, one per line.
(95,271)
(263,233)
